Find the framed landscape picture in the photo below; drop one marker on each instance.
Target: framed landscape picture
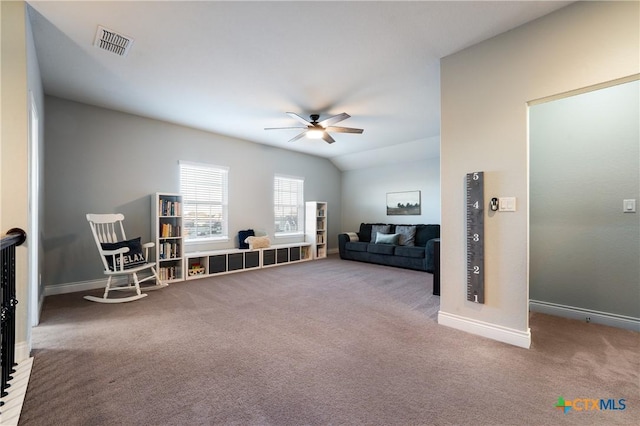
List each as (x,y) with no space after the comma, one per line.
(403,203)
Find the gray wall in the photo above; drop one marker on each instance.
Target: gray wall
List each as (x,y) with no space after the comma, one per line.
(364,192)
(484,127)
(101,161)
(585,159)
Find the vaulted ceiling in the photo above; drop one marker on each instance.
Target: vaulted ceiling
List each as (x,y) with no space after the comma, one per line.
(236,67)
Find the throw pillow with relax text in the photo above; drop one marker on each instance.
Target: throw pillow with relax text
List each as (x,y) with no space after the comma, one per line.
(131,259)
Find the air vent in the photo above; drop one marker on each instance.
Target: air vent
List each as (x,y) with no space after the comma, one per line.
(112,41)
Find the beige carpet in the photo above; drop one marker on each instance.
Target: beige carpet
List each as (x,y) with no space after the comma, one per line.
(327,342)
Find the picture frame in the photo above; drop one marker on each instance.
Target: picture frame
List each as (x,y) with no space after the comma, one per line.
(405,203)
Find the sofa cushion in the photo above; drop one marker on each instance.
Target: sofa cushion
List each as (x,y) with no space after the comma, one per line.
(407,234)
(379,229)
(425,233)
(405,251)
(381,248)
(365,231)
(356,246)
(387,238)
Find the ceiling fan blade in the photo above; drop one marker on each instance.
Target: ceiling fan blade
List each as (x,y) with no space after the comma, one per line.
(334,119)
(283,128)
(301,135)
(328,138)
(343,129)
(300,119)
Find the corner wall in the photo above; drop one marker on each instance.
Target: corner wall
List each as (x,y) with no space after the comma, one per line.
(105,161)
(14,174)
(484,95)
(364,192)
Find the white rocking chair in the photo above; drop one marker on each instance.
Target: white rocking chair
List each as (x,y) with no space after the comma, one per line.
(121,257)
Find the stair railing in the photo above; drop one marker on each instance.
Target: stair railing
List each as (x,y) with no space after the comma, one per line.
(8,302)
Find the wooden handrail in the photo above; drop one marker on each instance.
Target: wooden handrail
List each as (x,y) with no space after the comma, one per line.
(14,236)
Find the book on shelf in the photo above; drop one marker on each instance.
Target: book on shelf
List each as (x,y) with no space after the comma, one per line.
(169,250)
(169,272)
(169,208)
(168,230)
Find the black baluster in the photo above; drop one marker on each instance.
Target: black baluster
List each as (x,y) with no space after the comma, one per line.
(8,302)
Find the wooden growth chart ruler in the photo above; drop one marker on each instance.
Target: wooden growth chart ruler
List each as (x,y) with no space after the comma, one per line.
(475,237)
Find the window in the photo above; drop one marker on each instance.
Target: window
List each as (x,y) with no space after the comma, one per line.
(204,191)
(288,205)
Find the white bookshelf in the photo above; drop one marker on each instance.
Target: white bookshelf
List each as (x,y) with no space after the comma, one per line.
(166,231)
(316,227)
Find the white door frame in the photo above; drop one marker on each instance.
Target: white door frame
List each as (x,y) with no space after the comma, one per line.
(34,220)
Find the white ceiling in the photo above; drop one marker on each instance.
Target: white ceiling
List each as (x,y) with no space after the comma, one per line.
(236,67)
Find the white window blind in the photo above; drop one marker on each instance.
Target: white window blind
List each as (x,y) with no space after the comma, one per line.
(288,200)
(204,190)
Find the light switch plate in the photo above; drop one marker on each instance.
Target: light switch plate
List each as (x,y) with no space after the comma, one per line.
(507,204)
(629,206)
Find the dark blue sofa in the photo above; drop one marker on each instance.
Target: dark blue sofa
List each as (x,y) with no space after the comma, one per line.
(419,256)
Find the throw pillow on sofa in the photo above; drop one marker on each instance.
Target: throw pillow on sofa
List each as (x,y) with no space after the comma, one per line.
(407,235)
(387,238)
(379,229)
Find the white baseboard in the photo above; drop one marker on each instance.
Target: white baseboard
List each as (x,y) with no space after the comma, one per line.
(51,290)
(492,331)
(588,315)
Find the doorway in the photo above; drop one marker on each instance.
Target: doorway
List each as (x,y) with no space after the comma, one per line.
(584,167)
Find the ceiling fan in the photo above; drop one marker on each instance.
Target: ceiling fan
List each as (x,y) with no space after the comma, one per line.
(315,129)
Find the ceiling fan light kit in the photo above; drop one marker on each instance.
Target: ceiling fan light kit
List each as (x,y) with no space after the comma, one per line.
(319,130)
(315,134)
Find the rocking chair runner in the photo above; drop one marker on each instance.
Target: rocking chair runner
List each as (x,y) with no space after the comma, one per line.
(121,257)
